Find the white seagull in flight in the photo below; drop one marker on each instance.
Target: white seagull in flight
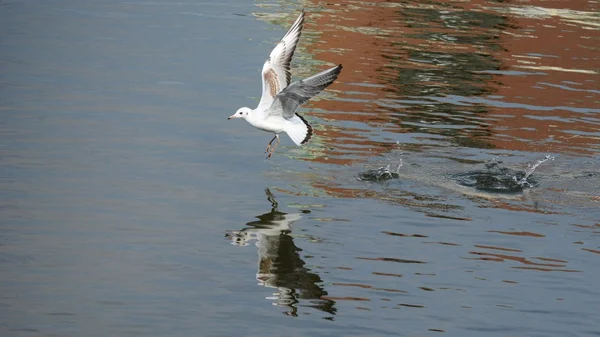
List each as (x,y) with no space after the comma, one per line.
(276,111)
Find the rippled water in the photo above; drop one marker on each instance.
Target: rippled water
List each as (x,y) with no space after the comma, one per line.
(129,205)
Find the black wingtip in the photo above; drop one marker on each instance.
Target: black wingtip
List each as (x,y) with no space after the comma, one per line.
(338,70)
(309,132)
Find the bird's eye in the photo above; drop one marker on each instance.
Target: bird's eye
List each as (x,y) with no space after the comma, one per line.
(240,113)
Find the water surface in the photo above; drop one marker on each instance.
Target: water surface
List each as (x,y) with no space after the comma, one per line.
(130,205)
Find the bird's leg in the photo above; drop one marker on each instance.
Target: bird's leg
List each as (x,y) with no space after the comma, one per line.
(274,146)
(269,145)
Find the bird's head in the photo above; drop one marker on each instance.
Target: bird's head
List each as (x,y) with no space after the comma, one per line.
(241,113)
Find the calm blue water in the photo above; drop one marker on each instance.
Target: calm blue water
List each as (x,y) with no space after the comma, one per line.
(129,205)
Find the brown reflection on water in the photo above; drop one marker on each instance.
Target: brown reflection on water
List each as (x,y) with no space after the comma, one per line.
(483,74)
(591,250)
(558,48)
(404,235)
(483,253)
(418,67)
(420,77)
(511,254)
(394,54)
(535,235)
(591,230)
(389,259)
(386,274)
(368,287)
(355,40)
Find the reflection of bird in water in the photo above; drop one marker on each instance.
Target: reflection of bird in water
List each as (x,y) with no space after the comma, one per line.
(279,263)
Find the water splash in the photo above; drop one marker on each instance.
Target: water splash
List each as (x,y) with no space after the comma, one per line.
(498,179)
(381,174)
(523,181)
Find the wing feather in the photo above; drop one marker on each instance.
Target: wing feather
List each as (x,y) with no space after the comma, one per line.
(289,99)
(276,73)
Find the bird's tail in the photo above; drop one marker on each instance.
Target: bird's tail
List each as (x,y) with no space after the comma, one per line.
(299,131)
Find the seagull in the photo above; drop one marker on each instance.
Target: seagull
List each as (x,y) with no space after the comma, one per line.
(276,111)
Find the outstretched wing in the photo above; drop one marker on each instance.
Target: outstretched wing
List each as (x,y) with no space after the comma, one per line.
(276,70)
(289,99)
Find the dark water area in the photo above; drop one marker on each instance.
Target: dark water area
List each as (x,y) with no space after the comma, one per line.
(129,205)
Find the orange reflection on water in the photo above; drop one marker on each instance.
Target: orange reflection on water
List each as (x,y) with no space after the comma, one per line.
(535,235)
(477,74)
(559,48)
(368,287)
(540,65)
(548,264)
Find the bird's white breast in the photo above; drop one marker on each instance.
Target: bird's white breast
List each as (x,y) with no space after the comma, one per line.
(275,124)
